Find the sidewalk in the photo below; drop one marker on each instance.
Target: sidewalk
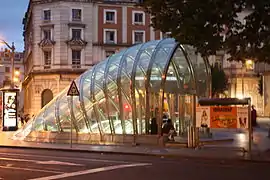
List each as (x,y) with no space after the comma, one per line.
(221,151)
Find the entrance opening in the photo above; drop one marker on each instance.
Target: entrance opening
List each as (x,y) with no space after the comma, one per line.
(178,98)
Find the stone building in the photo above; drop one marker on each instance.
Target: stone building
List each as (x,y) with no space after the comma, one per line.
(243,80)
(6,75)
(64,38)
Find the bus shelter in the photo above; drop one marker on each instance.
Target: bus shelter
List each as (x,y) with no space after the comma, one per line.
(225,113)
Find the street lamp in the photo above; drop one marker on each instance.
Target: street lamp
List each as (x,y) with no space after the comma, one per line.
(12,48)
(247,65)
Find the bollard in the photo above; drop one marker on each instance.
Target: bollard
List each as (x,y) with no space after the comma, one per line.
(195,137)
(190,137)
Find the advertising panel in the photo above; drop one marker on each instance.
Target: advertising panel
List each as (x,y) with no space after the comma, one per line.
(203,116)
(9,111)
(242,117)
(222,117)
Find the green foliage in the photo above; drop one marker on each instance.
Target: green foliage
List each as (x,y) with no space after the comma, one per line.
(203,24)
(260,85)
(219,81)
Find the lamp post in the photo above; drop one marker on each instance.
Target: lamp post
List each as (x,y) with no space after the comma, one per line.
(12,48)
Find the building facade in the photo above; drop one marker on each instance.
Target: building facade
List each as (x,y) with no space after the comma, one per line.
(6,75)
(243,80)
(64,38)
(6,68)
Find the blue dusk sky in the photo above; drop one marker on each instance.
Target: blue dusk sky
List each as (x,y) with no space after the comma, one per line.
(11,16)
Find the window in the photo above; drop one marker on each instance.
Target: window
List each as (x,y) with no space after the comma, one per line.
(138,17)
(138,37)
(76,33)
(76,14)
(47,34)
(76,58)
(47,15)
(47,59)
(17,69)
(109,53)
(110,16)
(7,69)
(110,36)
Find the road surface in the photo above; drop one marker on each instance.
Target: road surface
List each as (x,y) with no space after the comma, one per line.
(23,164)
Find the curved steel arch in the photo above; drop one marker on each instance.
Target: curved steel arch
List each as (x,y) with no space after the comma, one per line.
(92,99)
(133,76)
(84,113)
(148,76)
(162,83)
(119,84)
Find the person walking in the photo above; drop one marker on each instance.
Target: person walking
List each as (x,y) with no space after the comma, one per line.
(253,116)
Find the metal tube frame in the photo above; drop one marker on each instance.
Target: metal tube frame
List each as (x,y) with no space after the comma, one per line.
(105,90)
(147,81)
(194,92)
(81,99)
(133,84)
(57,102)
(163,80)
(92,98)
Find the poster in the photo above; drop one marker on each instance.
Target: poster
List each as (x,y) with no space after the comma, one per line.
(242,117)
(10,110)
(203,116)
(222,117)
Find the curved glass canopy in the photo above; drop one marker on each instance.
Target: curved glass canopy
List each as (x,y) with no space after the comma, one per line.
(121,94)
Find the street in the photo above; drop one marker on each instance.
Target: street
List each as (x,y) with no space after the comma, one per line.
(20,164)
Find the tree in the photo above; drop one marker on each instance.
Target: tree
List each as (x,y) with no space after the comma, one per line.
(213,25)
(219,81)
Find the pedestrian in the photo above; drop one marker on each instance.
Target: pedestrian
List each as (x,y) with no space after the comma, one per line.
(169,130)
(154,126)
(253,116)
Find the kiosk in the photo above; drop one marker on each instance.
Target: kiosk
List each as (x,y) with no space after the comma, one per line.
(9,109)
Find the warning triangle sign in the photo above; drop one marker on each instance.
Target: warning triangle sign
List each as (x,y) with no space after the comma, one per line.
(73,90)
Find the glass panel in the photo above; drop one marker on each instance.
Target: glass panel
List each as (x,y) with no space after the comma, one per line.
(111,88)
(140,75)
(50,123)
(100,97)
(127,65)
(64,113)
(162,55)
(179,83)
(38,122)
(87,104)
(78,114)
(200,71)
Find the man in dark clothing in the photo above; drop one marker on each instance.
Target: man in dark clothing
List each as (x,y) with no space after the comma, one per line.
(253,116)
(169,130)
(154,126)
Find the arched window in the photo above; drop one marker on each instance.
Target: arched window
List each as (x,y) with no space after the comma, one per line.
(46,97)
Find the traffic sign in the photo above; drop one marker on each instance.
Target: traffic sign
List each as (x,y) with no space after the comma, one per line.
(73,90)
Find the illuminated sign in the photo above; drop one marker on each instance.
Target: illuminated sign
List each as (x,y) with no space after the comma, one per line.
(9,110)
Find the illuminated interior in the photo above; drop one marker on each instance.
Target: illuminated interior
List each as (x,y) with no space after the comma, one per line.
(121,94)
